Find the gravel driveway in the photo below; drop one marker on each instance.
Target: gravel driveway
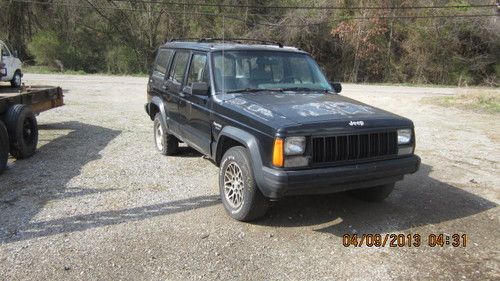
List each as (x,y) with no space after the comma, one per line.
(97,202)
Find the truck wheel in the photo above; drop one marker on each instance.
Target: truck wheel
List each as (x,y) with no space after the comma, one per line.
(16,80)
(23,131)
(166,143)
(4,147)
(373,194)
(240,195)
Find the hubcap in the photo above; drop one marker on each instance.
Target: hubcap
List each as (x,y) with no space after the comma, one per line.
(28,131)
(233,185)
(17,79)
(159,137)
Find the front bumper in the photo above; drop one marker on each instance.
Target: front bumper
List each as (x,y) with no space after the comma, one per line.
(278,183)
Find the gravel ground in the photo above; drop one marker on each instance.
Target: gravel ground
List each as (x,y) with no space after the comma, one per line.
(97,202)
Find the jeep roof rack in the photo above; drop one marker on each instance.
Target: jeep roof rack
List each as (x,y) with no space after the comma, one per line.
(234,40)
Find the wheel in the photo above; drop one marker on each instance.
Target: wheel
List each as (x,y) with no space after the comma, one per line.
(23,131)
(373,194)
(4,147)
(16,80)
(166,143)
(240,195)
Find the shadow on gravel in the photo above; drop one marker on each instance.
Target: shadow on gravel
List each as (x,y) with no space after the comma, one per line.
(105,218)
(419,200)
(51,168)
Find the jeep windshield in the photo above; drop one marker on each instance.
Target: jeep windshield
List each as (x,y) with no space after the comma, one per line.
(259,71)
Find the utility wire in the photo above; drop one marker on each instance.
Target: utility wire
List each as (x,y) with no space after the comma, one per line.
(380,17)
(172,3)
(235,17)
(308,7)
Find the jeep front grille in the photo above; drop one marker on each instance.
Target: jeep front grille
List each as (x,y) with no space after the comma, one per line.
(354,147)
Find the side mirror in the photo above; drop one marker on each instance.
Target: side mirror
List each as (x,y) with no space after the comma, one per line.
(198,89)
(337,87)
(16,54)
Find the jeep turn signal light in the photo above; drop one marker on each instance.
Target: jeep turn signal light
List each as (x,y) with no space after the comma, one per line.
(278,159)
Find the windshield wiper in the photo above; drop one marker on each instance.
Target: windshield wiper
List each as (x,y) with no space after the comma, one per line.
(304,89)
(256,90)
(297,89)
(253,90)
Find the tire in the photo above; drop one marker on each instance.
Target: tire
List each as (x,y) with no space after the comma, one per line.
(373,194)
(16,80)
(4,147)
(23,131)
(236,174)
(166,143)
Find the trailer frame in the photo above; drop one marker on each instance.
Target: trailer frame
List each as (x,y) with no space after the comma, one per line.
(18,125)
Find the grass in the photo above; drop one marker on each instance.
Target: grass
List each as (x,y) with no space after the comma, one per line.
(40,69)
(483,101)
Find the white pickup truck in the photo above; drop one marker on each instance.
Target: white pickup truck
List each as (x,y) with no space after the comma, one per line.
(10,66)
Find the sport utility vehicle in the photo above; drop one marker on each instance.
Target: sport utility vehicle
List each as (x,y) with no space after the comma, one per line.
(275,126)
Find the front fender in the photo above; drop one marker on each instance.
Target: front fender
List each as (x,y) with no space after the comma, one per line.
(252,145)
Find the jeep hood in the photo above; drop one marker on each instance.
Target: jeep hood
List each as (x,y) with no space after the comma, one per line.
(314,108)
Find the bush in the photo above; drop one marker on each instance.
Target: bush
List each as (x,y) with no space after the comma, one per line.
(122,60)
(48,49)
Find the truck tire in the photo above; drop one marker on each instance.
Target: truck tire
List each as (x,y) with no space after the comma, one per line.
(240,195)
(373,194)
(23,131)
(4,147)
(166,143)
(16,80)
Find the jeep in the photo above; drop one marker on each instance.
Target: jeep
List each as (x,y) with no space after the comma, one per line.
(10,66)
(267,116)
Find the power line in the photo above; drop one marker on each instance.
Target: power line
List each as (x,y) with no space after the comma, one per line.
(381,17)
(255,23)
(68,4)
(283,7)
(309,7)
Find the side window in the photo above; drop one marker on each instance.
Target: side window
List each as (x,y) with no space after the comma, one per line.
(198,70)
(179,67)
(162,61)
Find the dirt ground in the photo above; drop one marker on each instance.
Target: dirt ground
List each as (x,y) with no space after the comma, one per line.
(97,202)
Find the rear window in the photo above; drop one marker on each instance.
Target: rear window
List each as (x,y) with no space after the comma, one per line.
(162,61)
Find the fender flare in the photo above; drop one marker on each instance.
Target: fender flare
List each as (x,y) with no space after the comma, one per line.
(161,106)
(251,144)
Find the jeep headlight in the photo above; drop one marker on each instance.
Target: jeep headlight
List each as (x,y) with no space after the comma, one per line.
(295,145)
(404,136)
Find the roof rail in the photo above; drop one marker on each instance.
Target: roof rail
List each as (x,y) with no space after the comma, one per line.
(234,40)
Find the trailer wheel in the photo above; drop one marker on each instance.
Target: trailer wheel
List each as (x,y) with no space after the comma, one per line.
(23,131)
(4,147)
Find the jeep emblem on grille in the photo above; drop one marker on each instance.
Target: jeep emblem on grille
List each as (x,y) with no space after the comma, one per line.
(356,123)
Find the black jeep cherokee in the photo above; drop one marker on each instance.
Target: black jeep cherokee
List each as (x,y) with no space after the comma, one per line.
(268,117)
